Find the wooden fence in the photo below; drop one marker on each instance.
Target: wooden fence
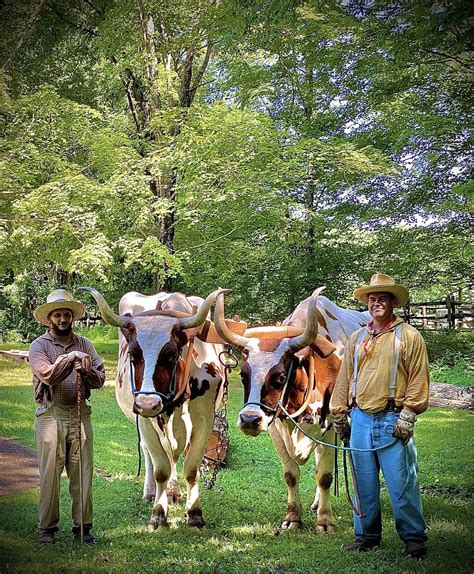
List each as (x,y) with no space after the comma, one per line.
(454,312)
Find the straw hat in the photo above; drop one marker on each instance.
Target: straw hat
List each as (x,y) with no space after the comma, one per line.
(381,283)
(59,299)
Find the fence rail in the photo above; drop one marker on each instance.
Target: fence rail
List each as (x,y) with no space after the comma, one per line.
(454,312)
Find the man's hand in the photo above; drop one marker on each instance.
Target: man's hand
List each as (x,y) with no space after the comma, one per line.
(82,361)
(404,426)
(342,426)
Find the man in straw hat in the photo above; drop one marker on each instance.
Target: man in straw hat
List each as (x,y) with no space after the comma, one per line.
(383,383)
(56,359)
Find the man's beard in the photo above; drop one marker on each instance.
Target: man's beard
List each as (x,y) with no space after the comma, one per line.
(61,332)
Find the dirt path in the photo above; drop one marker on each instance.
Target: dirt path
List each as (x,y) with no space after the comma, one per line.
(19,467)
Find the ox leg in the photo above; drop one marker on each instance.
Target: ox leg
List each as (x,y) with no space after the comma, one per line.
(324,476)
(202,428)
(161,472)
(149,489)
(178,432)
(291,472)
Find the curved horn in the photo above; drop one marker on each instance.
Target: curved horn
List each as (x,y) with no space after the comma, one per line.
(311,329)
(107,314)
(201,315)
(222,330)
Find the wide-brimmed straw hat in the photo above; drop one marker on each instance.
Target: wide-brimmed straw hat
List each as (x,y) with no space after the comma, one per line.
(59,299)
(381,283)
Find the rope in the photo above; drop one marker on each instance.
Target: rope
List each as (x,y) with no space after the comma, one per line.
(335,446)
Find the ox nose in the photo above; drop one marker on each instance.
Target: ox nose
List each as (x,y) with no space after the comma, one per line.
(250,423)
(147,405)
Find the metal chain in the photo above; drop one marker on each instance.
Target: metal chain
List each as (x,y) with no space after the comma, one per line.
(211,466)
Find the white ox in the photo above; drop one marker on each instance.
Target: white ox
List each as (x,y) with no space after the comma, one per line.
(173,394)
(280,364)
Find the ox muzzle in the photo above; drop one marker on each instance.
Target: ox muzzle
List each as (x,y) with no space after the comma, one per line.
(254,421)
(147,404)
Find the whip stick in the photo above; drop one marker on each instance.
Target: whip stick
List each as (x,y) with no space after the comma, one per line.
(79,446)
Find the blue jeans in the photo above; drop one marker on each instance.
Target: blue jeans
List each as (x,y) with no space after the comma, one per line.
(399,468)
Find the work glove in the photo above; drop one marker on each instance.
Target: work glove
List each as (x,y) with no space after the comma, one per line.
(404,426)
(342,426)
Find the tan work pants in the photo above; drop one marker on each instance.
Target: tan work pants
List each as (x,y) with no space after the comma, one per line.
(57,447)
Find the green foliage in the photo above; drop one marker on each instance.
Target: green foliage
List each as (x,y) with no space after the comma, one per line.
(268,147)
(451,357)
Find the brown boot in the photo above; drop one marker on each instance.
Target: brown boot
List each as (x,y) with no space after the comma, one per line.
(415,548)
(46,537)
(89,538)
(362,545)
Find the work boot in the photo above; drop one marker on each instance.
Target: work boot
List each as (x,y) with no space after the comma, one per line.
(46,537)
(89,538)
(415,548)
(361,545)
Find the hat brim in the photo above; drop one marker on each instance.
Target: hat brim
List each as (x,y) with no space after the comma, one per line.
(399,291)
(42,312)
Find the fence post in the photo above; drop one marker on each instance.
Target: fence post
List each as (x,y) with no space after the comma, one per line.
(450,307)
(406,313)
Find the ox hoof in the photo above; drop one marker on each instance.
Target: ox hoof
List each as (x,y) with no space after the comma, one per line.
(157,522)
(194,519)
(148,496)
(324,527)
(292,525)
(173,493)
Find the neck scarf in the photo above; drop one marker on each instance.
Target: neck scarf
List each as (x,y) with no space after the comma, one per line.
(374,333)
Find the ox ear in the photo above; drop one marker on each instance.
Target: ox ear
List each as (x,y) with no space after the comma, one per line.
(129,330)
(323,347)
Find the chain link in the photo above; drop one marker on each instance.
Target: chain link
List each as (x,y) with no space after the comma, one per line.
(210,465)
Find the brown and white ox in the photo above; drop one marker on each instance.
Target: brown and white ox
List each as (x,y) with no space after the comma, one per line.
(296,363)
(173,394)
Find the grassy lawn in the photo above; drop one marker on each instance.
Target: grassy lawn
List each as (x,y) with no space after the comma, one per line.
(243,511)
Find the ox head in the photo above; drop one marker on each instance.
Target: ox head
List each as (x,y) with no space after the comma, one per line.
(273,365)
(155,340)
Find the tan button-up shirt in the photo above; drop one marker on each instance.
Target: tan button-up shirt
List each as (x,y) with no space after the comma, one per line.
(53,370)
(374,372)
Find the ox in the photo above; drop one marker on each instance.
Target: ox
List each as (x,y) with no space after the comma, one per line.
(296,365)
(174,391)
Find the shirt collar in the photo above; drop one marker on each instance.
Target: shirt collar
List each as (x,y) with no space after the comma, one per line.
(49,337)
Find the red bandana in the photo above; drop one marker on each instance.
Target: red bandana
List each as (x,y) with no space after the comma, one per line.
(373,333)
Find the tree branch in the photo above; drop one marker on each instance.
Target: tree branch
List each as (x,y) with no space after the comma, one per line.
(201,71)
(26,31)
(450,57)
(76,25)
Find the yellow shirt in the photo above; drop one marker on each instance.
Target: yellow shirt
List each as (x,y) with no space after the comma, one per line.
(412,388)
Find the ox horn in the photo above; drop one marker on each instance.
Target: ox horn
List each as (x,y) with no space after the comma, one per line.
(311,329)
(107,314)
(222,330)
(198,318)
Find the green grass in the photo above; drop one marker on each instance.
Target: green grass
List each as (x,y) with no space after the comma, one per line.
(243,511)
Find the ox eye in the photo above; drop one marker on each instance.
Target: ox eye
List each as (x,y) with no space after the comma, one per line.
(281,379)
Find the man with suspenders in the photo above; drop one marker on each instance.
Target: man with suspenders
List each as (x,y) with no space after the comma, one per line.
(383,384)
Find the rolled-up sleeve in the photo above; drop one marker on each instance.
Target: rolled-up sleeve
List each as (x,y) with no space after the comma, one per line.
(49,373)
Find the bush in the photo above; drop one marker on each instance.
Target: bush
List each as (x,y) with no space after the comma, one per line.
(451,356)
